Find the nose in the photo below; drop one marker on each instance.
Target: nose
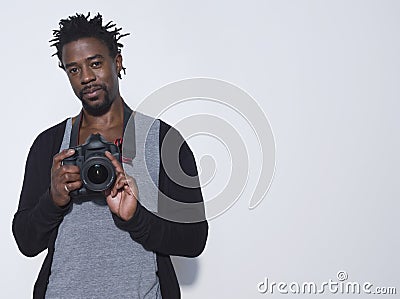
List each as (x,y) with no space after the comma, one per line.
(87,75)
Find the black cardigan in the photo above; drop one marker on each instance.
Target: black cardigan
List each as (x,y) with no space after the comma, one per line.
(36,222)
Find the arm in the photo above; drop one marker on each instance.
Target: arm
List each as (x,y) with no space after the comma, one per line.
(164,236)
(37,216)
(38,213)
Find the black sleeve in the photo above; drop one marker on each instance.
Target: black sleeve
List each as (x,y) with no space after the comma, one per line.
(37,216)
(165,236)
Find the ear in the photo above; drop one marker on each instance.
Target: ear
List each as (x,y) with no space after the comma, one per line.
(118,64)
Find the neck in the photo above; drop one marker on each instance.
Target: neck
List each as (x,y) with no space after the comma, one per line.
(113,117)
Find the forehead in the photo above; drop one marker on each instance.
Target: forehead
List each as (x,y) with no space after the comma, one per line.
(83,48)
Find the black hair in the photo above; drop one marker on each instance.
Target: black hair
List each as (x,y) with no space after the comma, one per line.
(80,26)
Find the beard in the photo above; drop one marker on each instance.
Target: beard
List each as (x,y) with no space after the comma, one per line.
(97,109)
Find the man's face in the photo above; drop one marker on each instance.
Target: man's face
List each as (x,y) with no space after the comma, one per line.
(92,72)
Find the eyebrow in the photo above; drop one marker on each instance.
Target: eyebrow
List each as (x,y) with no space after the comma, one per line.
(97,56)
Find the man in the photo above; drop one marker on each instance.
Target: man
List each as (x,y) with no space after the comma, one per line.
(111,245)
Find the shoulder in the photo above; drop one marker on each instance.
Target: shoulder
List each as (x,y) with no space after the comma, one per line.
(169,135)
(54,130)
(145,122)
(173,144)
(50,138)
(170,139)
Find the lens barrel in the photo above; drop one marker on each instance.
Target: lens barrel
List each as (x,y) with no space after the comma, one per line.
(97,173)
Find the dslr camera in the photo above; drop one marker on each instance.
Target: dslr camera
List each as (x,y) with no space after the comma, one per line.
(97,172)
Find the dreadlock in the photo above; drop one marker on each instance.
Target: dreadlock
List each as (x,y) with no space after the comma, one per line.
(80,26)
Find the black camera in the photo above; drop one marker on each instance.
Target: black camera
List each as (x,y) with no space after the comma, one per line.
(97,172)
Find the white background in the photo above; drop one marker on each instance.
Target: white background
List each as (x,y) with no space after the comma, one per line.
(326,73)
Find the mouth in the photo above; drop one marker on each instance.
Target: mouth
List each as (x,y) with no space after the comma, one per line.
(91,91)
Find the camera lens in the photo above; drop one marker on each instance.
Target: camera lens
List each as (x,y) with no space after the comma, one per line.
(97,174)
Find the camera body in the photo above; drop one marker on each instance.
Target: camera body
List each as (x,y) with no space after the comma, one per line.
(97,172)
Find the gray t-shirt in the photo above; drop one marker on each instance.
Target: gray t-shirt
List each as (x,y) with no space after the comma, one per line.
(95,259)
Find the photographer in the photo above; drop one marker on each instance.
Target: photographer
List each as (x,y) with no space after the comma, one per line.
(106,244)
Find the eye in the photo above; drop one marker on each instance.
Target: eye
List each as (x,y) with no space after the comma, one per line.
(73,70)
(95,64)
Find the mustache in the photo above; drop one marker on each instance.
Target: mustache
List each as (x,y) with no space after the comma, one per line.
(91,88)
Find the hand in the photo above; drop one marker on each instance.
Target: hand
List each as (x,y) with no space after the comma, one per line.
(122,197)
(64,178)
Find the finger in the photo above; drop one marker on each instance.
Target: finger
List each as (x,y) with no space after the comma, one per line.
(70,177)
(66,188)
(119,183)
(128,190)
(61,156)
(73,186)
(129,183)
(107,192)
(69,169)
(122,186)
(114,161)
